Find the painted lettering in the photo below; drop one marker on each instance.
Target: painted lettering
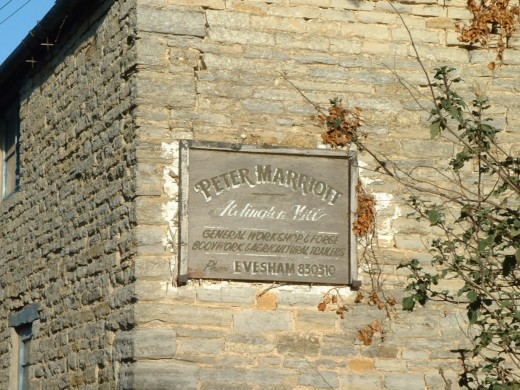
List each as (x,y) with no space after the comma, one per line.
(283,269)
(233,209)
(266,174)
(304,213)
(213,266)
(203,187)
(264,268)
(263,174)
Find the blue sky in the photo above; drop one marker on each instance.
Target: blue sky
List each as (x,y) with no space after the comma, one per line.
(25,15)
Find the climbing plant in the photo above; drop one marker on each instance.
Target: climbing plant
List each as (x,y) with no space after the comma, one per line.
(478,221)
(473,209)
(343,130)
(493,24)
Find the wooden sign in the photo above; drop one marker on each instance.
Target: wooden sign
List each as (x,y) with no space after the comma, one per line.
(267,214)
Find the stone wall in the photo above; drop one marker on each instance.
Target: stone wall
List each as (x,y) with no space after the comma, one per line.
(92,237)
(235,71)
(67,238)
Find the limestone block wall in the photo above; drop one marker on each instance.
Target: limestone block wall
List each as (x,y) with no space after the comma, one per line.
(92,236)
(235,71)
(67,239)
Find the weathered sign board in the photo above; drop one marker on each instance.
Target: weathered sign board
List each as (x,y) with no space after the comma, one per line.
(267,214)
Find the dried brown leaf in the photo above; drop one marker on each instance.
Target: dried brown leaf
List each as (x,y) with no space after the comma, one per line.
(359,297)
(341,310)
(365,336)
(391,301)
(376,326)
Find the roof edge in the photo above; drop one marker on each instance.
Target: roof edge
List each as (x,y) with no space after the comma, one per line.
(32,49)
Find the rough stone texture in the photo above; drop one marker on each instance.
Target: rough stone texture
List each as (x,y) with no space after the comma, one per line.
(249,321)
(161,375)
(92,235)
(67,238)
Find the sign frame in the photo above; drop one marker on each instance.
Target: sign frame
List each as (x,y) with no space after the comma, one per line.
(186,147)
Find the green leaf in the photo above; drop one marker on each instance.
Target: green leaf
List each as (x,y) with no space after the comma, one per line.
(435,129)
(434,217)
(454,112)
(507,303)
(408,303)
(515,386)
(472,296)
(483,244)
(472,315)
